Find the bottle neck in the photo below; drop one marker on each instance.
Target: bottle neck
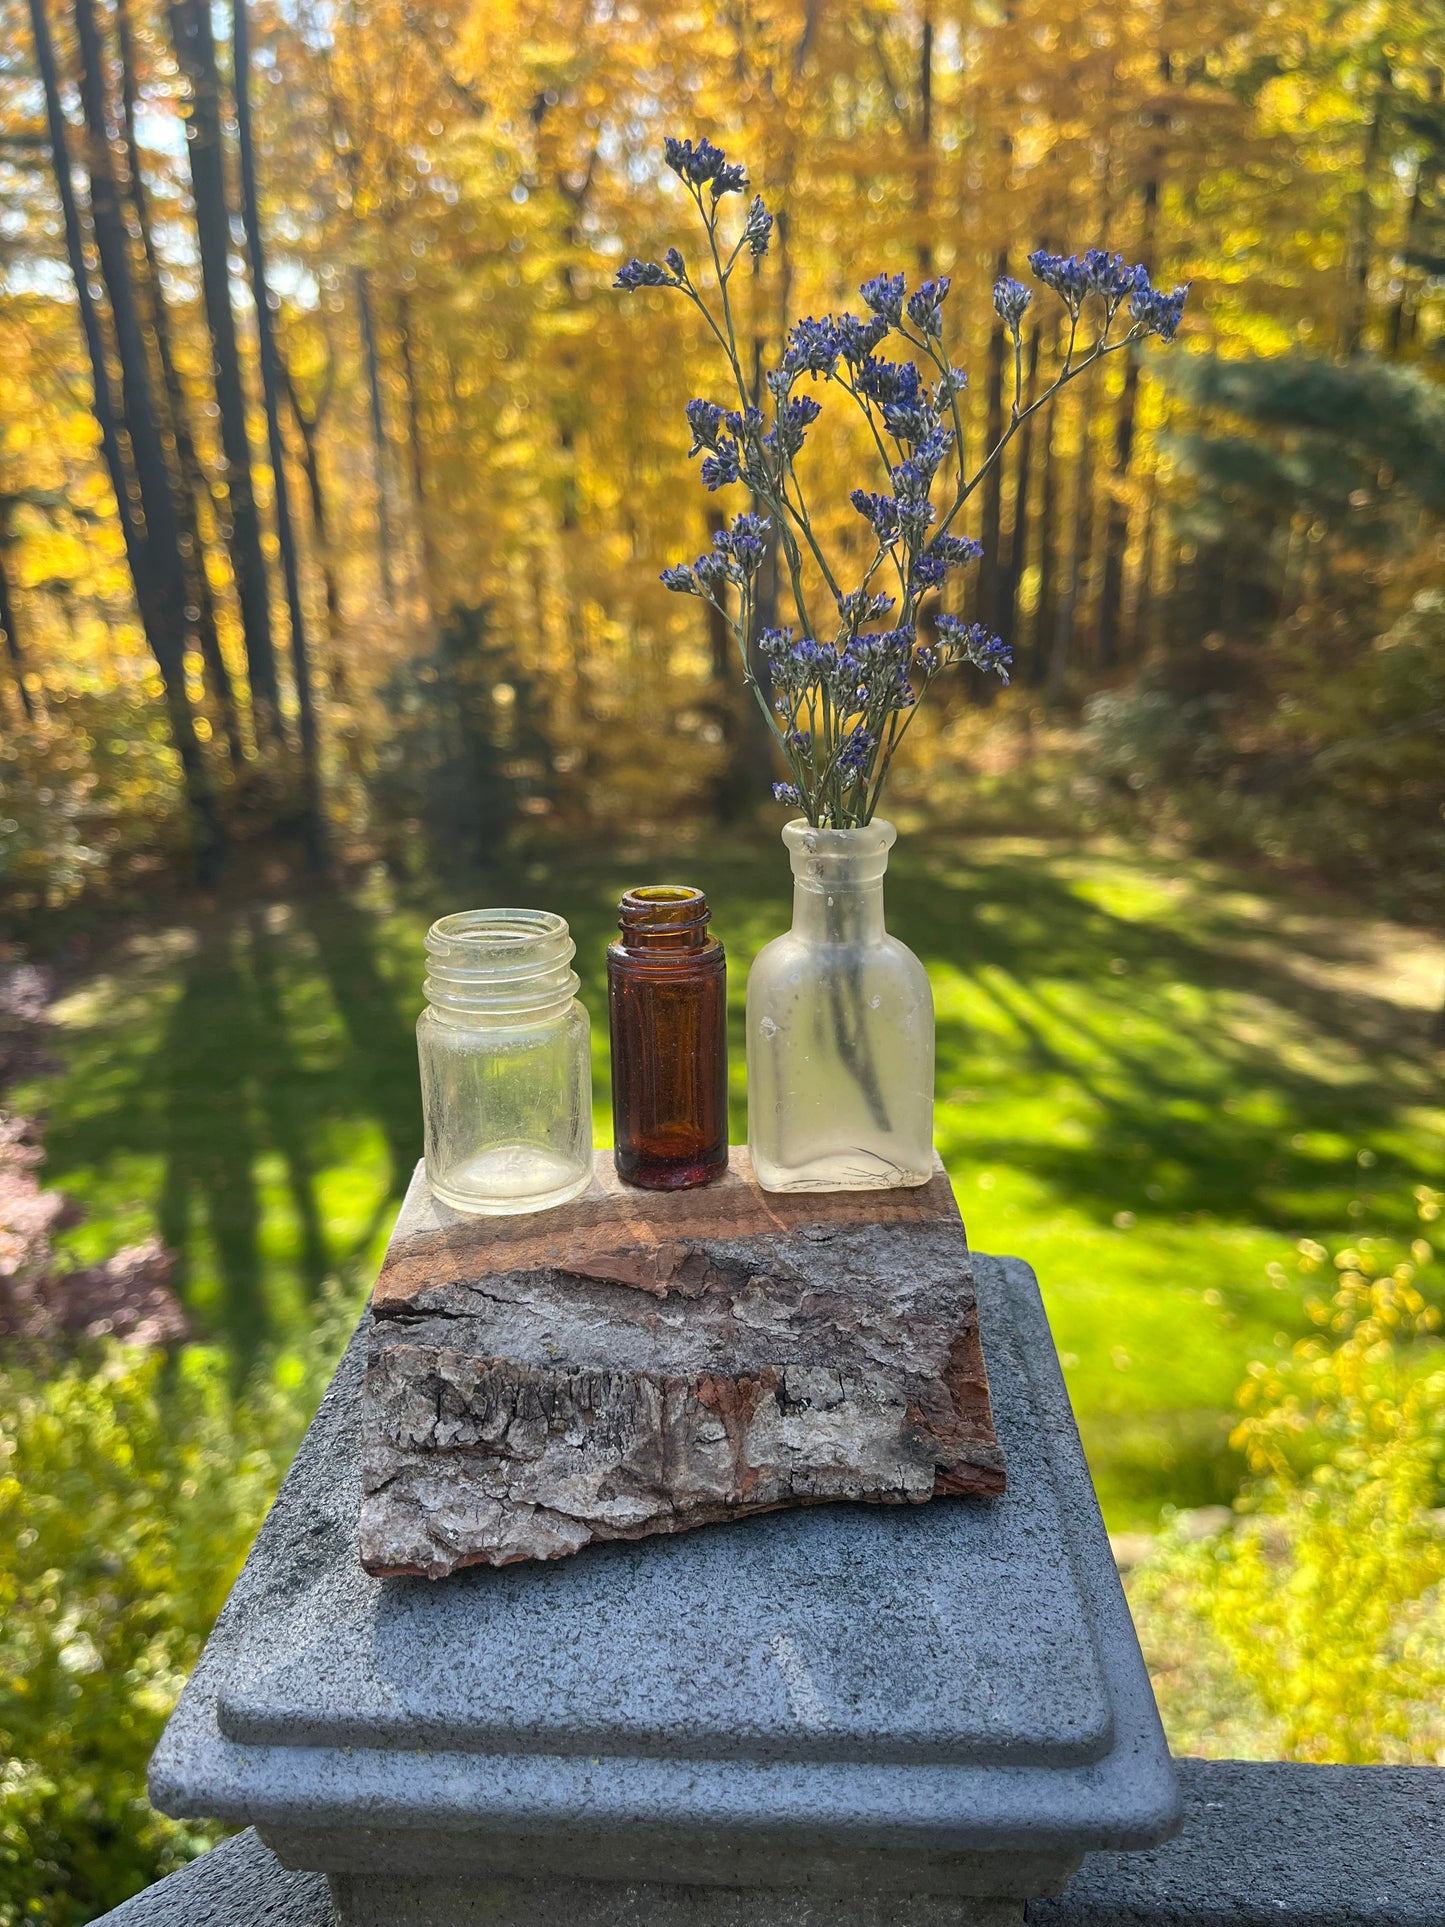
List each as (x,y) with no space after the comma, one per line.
(838,881)
(664,925)
(839,912)
(489,967)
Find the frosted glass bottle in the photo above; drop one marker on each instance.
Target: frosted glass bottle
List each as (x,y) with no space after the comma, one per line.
(839,1029)
(506,1063)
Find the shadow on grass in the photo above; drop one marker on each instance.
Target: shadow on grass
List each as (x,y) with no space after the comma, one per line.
(1207,1075)
(285,1029)
(1173,1060)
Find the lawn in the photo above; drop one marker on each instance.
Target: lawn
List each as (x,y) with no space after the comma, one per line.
(1152,1081)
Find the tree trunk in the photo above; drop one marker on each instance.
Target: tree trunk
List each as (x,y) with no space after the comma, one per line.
(1143,612)
(193,488)
(1066,625)
(1357,255)
(378,436)
(195,50)
(156,572)
(416,447)
(1045,612)
(313,820)
(990,570)
(1116,523)
(13,648)
(1016,561)
(1116,526)
(925,142)
(309,425)
(1395,334)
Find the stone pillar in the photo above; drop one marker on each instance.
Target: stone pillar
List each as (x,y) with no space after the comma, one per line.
(864,1715)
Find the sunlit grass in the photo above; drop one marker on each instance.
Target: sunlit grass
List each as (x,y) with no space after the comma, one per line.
(1151,1083)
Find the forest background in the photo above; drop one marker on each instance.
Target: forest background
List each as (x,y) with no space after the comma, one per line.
(335,481)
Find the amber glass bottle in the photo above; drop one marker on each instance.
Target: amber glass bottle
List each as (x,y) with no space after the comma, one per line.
(667,1000)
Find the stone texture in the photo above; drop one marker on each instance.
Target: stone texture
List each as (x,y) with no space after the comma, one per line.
(642,1363)
(240,1884)
(860,1700)
(1275,1844)
(1264,1844)
(370,1902)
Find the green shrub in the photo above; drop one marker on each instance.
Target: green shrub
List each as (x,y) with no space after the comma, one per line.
(1314,1625)
(131,1486)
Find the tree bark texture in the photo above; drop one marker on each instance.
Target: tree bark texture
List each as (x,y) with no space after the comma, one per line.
(1116,525)
(1015,562)
(308,424)
(191,486)
(14,649)
(642,1363)
(138,470)
(990,534)
(195,50)
(378,435)
(1075,584)
(416,448)
(313,818)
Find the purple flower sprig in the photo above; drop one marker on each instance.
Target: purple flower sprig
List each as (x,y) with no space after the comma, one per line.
(839,707)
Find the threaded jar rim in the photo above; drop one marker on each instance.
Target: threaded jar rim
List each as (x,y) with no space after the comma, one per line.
(507,962)
(663,910)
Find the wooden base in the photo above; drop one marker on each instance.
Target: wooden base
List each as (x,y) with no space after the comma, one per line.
(637,1362)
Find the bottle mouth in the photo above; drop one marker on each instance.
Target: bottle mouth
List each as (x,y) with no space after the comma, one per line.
(671,914)
(505,961)
(838,859)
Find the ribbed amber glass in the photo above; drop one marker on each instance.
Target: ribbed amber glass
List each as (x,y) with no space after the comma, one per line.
(667,1002)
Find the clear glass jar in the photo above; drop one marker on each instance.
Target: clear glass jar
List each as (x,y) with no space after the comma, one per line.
(839,1029)
(506,1063)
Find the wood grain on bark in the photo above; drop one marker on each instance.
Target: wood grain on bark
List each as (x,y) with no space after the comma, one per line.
(638,1363)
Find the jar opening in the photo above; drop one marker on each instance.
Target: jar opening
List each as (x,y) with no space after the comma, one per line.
(664,914)
(500,960)
(839,859)
(506,928)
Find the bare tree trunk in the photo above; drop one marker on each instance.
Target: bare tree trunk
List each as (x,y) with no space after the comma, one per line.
(1045,612)
(13,648)
(1013,565)
(157,573)
(990,568)
(309,424)
(416,447)
(195,50)
(1395,334)
(1142,616)
(1116,526)
(193,487)
(1357,256)
(1066,625)
(1116,522)
(313,818)
(925,141)
(378,436)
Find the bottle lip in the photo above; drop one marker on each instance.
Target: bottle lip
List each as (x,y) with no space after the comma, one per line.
(503,961)
(499,943)
(878,834)
(663,910)
(838,859)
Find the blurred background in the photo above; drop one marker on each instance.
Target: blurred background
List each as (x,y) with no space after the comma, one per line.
(334,485)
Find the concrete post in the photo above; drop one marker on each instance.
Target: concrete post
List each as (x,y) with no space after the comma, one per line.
(856,1714)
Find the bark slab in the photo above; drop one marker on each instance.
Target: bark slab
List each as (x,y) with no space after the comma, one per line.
(640,1363)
